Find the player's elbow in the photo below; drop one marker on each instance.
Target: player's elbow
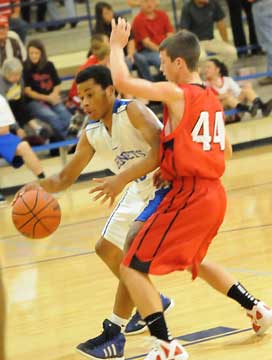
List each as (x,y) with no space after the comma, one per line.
(120,83)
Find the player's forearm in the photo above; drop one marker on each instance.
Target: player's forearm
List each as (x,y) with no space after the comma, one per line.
(150,45)
(141,168)
(56,183)
(118,66)
(35,95)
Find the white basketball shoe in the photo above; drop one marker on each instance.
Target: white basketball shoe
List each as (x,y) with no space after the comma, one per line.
(163,350)
(261,317)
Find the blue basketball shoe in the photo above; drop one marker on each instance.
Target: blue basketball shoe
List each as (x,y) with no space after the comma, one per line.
(109,344)
(137,326)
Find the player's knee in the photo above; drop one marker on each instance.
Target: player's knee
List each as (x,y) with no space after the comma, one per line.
(99,249)
(22,148)
(108,252)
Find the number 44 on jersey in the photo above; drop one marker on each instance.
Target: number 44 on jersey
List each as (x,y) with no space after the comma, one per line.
(201,130)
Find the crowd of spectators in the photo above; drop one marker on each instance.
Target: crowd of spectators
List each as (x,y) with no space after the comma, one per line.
(31,86)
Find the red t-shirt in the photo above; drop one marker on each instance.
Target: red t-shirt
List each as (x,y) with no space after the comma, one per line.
(155,29)
(196,147)
(92,60)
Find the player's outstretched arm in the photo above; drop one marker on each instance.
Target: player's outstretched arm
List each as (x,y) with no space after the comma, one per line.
(124,82)
(68,175)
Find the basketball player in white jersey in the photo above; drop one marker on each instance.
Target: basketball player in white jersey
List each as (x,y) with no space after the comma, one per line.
(122,132)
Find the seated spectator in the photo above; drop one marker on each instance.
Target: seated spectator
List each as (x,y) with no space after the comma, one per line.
(150,27)
(12,88)
(199,17)
(11,10)
(15,151)
(10,43)
(97,54)
(230,93)
(103,15)
(42,90)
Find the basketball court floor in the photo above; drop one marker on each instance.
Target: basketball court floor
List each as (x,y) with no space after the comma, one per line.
(59,291)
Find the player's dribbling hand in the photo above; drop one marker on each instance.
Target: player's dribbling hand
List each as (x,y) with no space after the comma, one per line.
(158,181)
(120,32)
(25,188)
(108,189)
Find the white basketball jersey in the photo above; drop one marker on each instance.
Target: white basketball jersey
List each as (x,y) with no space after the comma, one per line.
(123,147)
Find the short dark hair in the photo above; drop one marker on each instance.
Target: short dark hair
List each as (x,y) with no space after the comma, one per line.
(183,44)
(99,73)
(223,70)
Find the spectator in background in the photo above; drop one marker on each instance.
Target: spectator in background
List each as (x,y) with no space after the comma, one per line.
(150,27)
(262,13)
(199,17)
(42,89)
(10,43)
(15,151)
(40,13)
(134,5)
(12,88)
(11,10)
(230,93)
(103,15)
(98,54)
(235,10)
(54,14)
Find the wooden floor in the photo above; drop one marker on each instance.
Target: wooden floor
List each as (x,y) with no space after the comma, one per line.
(59,291)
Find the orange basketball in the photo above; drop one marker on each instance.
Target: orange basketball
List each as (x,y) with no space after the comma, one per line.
(36,214)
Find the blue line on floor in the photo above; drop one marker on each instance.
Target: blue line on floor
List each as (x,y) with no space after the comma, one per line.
(200,341)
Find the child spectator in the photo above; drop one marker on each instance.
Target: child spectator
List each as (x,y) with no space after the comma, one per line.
(230,93)
(15,151)
(103,15)
(97,54)
(42,88)
(12,88)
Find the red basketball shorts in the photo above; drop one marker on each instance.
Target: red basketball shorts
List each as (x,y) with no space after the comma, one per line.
(177,236)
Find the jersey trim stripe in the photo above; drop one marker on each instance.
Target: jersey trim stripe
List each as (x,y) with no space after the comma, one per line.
(113,213)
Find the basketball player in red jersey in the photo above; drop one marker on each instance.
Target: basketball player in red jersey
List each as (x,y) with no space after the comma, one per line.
(178,234)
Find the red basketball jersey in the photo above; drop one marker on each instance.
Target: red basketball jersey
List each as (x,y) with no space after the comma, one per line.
(196,146)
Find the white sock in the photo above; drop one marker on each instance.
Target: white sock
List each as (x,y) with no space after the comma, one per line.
(117,320)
